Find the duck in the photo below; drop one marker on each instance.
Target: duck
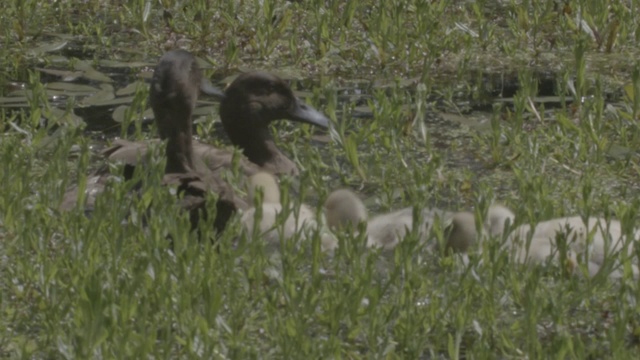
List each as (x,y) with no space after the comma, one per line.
(592,241)
(173,95)
(262,219)
(343,209)
(248,105)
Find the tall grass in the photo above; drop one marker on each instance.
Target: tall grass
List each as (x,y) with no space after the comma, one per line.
(132,280)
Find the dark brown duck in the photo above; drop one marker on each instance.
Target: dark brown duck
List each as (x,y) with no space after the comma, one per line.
(173,94)
(249,104)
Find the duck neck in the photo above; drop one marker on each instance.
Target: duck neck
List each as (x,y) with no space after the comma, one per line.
(179,149)
(260,148)
(254,138)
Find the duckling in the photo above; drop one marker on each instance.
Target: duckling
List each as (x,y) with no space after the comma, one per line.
(249,104)
(461,233)
(541,250)
(173,97)
(344,208)
(302,222)
(265,182)
(607,238)
(499,219)
(387,230)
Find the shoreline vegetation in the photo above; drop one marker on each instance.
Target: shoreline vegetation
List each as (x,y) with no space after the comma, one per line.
(448,104)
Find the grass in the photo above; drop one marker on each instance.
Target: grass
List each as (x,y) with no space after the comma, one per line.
(391,75)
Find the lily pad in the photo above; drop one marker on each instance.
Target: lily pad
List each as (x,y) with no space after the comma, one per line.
(90,73)
(70,87)
(116,101)
(122,64)
(16,105)
(105,94)
(13,100)
(118,113)
(131,88)
(66,75)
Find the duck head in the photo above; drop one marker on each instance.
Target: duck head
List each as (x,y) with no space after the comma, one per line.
(173,94)
(251,102)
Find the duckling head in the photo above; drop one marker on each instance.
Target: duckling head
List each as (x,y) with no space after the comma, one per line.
(343,208)
(499,218)
(267,184)
(461,233)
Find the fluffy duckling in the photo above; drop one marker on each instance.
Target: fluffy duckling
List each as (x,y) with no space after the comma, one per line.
(303,222)
(387,230)
(462,234)
(344,208)
(541,250)
(607,239)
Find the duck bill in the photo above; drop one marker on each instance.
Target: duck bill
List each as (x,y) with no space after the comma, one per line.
(304,113)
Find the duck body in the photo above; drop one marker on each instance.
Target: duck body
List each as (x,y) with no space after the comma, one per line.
(206,158)
(262,220)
